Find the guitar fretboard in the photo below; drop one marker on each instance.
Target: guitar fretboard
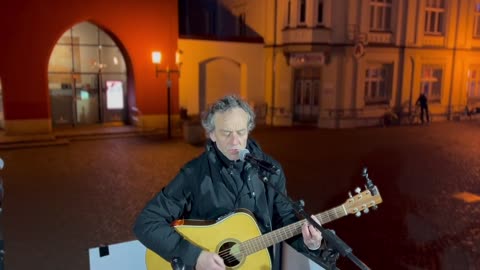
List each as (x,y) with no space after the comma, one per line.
(261,242)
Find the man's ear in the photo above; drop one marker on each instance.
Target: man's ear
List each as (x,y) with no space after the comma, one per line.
(212,136)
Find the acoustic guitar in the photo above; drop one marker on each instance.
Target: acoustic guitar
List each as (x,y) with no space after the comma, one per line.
(238,240)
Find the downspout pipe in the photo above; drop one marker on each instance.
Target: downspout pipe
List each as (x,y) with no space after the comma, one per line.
(454,58)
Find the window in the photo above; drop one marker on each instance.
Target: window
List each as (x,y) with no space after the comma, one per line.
(209,19)
(476,26)
(241,25)
(378,84)
(473,83)
(302,12)
(320,6)
(431,82)
(81,62)
(434,17)
(289,7)
(380,15)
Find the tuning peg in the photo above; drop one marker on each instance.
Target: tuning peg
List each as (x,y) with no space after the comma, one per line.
(375,207)
(358,214)
(366,210)
(350,194)
(357,190)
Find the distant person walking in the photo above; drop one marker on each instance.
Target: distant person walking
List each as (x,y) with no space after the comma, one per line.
(423,102)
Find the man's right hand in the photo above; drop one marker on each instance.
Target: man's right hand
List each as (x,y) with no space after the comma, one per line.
(209,261)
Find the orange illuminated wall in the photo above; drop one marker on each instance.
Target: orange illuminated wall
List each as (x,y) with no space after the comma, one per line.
(29,30)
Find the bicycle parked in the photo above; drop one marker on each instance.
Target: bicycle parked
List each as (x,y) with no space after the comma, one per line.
(415,116)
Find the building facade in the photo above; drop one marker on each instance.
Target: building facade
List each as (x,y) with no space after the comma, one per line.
(325,63)
(346,63)
(342,63)
(222,53)
(86,62)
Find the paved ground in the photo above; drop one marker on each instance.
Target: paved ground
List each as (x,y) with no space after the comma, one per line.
(66,198)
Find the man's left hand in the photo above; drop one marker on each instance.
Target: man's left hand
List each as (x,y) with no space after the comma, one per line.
(311,236)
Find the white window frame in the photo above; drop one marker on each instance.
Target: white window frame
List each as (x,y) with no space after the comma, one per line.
(380,15)
(378,83)
(476,20)
(431,82)
(434,10)
(473,83)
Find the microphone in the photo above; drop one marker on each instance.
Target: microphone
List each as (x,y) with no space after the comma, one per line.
(245,155)
(177,264)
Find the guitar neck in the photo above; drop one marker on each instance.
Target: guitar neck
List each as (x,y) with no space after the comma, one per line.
(264,241)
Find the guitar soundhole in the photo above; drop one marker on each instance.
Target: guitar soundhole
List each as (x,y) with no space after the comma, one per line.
(229,255)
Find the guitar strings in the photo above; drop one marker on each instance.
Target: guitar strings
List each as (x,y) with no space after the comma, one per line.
(231,257)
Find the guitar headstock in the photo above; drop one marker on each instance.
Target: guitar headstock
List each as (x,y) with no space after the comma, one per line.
(362,201)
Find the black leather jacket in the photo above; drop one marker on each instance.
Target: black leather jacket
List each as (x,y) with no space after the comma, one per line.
(203,190)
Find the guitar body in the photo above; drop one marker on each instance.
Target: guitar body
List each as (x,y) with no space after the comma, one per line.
(220,237)
(238,240)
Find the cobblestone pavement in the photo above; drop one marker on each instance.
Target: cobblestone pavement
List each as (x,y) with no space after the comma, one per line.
(62,200)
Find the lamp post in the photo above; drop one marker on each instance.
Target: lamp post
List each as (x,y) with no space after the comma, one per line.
(157,59)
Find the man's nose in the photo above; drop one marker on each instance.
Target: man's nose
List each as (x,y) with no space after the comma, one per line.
(235,139)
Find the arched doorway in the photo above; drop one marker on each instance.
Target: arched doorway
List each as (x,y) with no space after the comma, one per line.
(87,78)
(218,77)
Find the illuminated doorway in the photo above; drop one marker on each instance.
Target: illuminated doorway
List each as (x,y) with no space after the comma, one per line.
(87,78)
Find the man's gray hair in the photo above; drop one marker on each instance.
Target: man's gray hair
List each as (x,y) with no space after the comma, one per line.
(225,104)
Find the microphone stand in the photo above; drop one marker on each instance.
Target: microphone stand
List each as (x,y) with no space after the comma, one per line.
(332,240)
(2,243)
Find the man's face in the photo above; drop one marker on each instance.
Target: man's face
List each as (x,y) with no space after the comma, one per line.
(231,132)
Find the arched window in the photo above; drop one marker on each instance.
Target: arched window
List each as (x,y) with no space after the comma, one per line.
(82,66)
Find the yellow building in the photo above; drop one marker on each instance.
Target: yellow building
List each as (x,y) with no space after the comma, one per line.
(341,63)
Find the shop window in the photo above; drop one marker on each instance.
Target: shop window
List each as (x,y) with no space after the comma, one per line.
(84,59)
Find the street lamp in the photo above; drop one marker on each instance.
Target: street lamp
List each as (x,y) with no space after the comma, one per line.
(157,59)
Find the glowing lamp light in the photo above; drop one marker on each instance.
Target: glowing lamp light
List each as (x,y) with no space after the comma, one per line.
(178,55)
(156,57)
